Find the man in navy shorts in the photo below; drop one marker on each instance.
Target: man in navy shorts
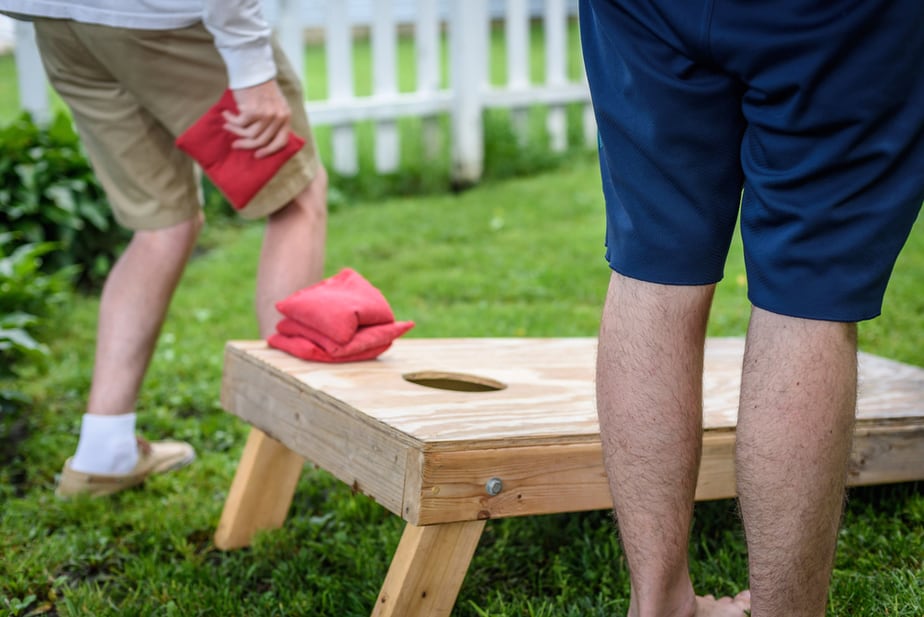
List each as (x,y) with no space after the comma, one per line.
(815,109)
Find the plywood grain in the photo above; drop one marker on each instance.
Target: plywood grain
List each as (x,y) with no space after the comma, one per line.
(427,453)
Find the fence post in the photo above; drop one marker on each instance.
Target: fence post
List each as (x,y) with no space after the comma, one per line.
(517,28)
(427,47)
(288,25)
(556,49)
(385,82)
(468,48)
(339,42)
(30,74)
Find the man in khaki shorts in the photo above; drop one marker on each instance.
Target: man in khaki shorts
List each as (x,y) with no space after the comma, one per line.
(136,74)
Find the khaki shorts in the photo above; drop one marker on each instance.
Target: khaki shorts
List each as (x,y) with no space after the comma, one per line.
(132,92)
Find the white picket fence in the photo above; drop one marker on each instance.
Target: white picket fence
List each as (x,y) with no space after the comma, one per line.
(468,95)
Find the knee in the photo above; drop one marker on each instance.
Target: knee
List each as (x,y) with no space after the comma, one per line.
(310,204)
(314,198)
(193,226)
(179,238)
(186,233)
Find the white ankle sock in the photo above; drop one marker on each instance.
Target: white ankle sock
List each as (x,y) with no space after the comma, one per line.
(107,444)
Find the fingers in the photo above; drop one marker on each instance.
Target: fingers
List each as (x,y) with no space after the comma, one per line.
(262,121)
(265,134)
(276,144)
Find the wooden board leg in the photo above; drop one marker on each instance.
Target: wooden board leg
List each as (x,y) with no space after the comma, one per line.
(427,571)
(261,492)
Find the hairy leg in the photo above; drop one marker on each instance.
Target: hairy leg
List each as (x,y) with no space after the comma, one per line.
(798,402)
(649,399)
(292,256)
(133,305)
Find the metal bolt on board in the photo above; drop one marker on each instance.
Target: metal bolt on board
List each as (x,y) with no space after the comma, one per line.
(494,486)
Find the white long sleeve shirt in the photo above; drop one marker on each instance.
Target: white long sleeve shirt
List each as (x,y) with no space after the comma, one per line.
(242,35)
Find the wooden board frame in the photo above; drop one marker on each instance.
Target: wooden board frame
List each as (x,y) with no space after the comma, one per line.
(435,482)
(445,462)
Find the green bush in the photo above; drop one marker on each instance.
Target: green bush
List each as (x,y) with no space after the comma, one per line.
(28,296)
(48,193)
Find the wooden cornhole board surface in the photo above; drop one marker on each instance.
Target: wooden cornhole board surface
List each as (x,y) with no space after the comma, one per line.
(429,454)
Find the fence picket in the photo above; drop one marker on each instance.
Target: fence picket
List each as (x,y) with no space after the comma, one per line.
(289,33)
(339,38)
(384,82)
(468,48)
(30,73)
(427,48)
(517,44)
(556,50)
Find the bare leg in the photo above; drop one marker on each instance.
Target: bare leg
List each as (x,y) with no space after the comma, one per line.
(798,401)
(293,251)
(132,308)
(138,291)
(649,399)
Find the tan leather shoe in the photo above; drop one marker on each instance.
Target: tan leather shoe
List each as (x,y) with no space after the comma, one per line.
(153,457)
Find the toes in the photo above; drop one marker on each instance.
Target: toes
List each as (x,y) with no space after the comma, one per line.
(743,600)
(709,606)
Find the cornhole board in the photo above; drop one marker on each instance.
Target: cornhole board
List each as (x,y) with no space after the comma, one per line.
(523,439)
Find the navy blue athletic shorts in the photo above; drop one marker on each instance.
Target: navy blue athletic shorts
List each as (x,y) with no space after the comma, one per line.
(809,114)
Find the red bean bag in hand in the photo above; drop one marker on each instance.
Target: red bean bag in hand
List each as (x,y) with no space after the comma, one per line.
(238,174)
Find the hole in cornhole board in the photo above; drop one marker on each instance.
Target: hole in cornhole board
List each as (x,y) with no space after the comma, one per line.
(457,382)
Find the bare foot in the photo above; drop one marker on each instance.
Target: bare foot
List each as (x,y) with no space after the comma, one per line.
(708,606)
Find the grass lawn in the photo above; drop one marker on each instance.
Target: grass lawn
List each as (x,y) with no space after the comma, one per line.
(522,257)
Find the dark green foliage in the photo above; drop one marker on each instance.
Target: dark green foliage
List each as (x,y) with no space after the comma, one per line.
(27,295)
(48,193)
(27,298)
